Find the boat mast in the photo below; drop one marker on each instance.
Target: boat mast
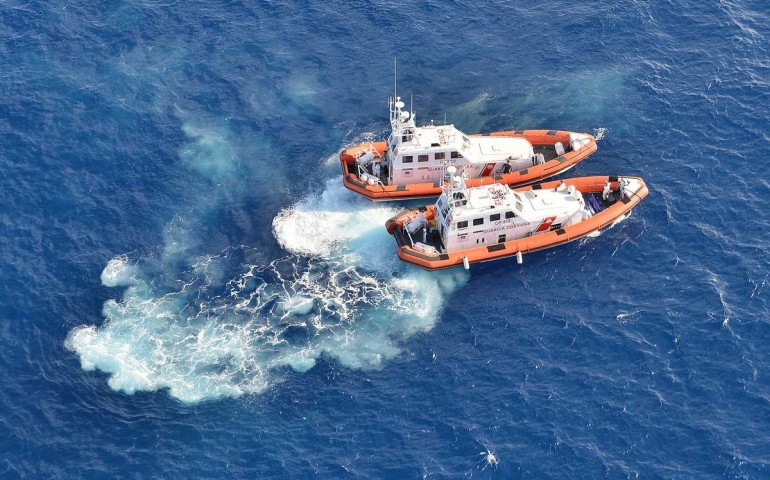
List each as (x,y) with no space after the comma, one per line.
(395,78)
(395,111)
(401,120)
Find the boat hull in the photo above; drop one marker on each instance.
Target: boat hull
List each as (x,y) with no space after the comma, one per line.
(596,223)
(517,178)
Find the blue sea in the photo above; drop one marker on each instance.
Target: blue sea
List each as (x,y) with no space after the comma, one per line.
(189,292)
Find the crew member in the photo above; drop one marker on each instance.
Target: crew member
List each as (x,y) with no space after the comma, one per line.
(507,167)
(607,191)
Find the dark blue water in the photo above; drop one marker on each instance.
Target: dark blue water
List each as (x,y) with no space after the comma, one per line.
(188,292)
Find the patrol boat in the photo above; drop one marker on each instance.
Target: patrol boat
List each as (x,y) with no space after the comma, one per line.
(411,163)
(477,224)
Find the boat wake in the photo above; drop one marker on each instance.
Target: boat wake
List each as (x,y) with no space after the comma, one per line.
(359,290)
(226,324)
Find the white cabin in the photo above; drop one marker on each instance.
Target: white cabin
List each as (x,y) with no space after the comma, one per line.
(422,154)
(492,214)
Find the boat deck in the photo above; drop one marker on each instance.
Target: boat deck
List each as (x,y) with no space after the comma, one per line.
(432,239)
(548,151)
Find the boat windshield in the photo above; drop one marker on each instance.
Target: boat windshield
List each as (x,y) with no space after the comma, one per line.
(466,146)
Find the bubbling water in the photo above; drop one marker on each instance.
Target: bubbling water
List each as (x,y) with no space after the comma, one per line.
(340,292)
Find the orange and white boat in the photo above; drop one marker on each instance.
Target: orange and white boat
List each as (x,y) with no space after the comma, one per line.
(477,224)
(411,163)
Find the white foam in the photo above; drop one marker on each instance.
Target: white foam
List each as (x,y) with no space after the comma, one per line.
(489,459)
(118,272)
(325,225)
(348,234)
(619,220)
(600,133)
(332,160)
(341,293)
(150,341)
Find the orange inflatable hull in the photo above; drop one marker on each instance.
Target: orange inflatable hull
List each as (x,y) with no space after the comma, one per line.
(521,177)
(598,222)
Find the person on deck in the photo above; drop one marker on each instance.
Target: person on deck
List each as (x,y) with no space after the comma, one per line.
(507,167)
(607,191)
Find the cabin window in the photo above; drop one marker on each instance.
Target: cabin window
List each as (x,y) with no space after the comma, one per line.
(439,156)
(463,224)
(422,158)
(456,155)
(408,159)
(435,144)
(509,214)
(478,221)
(494,218)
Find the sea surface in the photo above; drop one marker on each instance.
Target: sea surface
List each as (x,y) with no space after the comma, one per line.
(189,292)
